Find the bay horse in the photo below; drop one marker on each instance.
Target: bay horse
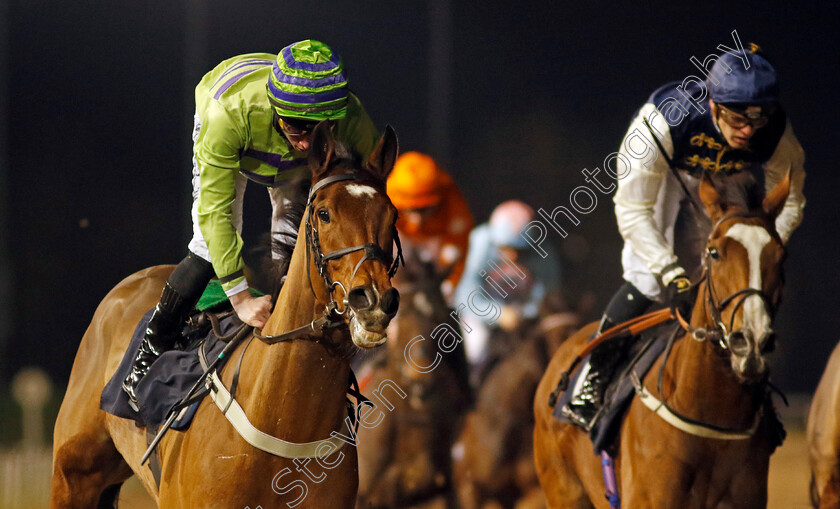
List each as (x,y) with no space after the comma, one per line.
(713,384)
(292,390)
(823,433)
(493,458)
(405,461)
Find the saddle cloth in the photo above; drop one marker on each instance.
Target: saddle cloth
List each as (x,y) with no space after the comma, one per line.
(641,352)
(168,380)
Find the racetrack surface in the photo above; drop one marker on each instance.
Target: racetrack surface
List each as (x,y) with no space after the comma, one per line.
(788,485)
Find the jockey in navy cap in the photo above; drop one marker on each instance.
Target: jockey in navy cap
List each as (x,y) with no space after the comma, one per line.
(741,128)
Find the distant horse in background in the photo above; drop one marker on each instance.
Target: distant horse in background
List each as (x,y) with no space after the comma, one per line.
(293,390)
(494,456)
(404,461)
(712,384)
(823,434)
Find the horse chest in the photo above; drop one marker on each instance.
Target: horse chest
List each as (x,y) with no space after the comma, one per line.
(664,467)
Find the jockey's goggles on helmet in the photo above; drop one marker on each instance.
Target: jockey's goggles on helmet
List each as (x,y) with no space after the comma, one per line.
(738,116)
(296,126)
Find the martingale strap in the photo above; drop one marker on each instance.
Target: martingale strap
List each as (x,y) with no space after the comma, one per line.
(687,425)
(259,439)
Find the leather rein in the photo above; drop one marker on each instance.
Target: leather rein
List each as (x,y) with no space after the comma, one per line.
(331,317)
(718,333)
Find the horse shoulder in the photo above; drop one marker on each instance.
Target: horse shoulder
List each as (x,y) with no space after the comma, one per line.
(823,430)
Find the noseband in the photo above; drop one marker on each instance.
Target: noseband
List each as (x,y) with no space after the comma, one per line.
(720,332)
(371,251)
(331,317)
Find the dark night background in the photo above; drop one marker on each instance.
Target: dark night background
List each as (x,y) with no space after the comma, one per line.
(98,111)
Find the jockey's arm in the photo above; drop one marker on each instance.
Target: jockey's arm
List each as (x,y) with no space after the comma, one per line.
(477,256)
(638,191)
(217,151)
(787,156)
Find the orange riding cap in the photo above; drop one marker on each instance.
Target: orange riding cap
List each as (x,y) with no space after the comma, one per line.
(417,182)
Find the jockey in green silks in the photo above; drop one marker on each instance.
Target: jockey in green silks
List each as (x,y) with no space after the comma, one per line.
(254,118)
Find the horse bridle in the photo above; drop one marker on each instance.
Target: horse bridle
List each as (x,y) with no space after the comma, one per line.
(331,316)
(371,250)
(720,333)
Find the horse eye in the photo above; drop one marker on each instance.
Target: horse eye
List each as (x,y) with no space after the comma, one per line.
(324,216)
(713,252)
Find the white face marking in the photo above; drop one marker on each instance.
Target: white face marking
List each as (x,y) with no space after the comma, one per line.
(359,190)
(753,238)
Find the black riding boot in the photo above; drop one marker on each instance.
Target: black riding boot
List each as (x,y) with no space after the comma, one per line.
(180,294)
(161,335)
(583,408)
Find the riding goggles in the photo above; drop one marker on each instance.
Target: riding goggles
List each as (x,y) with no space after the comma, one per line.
(754,116)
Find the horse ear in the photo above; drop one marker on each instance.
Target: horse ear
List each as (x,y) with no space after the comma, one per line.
(381,161)
(711,198)
(321,148)
(775,200)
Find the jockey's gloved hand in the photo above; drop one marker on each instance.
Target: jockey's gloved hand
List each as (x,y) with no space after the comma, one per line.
(680,297)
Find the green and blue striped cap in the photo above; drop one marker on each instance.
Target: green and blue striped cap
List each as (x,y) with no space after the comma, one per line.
(308,82)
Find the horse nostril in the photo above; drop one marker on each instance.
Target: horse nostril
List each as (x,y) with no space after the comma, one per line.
(739,343)
(390,302)
(361,298)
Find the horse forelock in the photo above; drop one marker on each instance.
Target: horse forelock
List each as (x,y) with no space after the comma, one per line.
(343,152)
(348,161)
(740,190)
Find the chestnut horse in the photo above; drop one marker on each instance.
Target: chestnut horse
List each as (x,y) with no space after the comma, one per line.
(824,436)
(293,390)
(712,389)
(405,461)
(493,459)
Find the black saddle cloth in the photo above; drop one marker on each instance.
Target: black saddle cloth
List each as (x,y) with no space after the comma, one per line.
(168,379)
(639,354)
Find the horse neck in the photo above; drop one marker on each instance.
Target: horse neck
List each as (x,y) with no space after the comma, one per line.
(296,389)
(699,382)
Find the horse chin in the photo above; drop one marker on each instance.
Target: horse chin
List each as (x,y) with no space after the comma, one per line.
(749,369)
(364,338)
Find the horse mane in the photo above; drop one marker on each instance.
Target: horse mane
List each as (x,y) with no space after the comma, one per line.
(740,190)
(274,250)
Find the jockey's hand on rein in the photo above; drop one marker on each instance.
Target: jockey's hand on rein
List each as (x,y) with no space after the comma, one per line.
(252,310)
(680,297)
